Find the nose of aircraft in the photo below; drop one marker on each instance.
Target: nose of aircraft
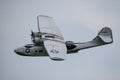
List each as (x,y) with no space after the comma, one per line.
(17,51)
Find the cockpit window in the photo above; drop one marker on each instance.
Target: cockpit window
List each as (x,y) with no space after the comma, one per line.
(29,45)
(40,50)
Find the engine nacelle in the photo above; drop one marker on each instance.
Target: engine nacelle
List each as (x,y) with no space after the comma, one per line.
(36,38)
(70,44)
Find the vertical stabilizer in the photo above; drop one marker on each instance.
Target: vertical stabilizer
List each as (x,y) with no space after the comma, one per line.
(104,36)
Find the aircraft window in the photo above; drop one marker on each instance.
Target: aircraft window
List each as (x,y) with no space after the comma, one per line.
(40,50)
(29,45)
(36,51)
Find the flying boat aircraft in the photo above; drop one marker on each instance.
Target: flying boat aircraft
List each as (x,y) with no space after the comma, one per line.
(48,41)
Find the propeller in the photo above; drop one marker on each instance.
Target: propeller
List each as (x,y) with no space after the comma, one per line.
(32,35)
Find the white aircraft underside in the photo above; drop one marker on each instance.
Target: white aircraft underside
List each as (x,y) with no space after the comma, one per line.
(50,42)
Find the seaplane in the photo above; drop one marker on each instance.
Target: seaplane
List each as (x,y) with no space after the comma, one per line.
(49,41)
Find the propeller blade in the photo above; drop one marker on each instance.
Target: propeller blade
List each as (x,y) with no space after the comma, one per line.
(32,33)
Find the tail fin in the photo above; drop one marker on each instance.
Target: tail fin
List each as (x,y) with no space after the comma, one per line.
(104,36)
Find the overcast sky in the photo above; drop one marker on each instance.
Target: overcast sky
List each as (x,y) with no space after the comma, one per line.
(78,20)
